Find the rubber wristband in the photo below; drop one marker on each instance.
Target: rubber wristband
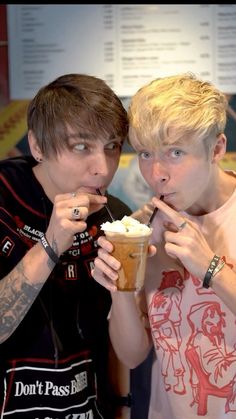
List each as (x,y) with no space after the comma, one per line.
(123,400)
(49,250)
(210,271)
(220,266)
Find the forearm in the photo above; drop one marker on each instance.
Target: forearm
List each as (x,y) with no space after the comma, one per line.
(224,285)
(129,336)
(20,287)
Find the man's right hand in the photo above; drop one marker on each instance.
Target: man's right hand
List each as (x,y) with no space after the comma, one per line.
(106,267)
(64,222)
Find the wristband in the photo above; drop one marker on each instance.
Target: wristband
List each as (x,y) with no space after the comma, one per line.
(220,265)
(123,400)
(210,271)
(49,250)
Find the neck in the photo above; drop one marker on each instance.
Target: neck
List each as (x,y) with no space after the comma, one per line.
(41,177)
(221,188)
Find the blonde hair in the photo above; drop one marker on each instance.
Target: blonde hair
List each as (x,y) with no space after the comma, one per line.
(172,109)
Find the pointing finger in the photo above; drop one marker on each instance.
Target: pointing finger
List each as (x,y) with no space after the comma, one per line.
(176,218)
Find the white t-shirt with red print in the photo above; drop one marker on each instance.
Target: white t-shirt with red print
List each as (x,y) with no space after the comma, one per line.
(193,331)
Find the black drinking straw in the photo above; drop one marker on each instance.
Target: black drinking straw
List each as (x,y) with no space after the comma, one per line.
(106,206)
(154,213)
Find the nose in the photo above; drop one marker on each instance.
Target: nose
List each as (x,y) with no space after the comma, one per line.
(159,172)
(99,165)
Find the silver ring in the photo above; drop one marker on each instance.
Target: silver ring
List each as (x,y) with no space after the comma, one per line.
(73,194)
(182,225)
(75,213)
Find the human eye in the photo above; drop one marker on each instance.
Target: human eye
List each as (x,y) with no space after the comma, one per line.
(113,146)
(176,153)
(80,147)
(144,155)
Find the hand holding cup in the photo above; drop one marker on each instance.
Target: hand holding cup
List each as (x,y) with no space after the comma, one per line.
(130,241)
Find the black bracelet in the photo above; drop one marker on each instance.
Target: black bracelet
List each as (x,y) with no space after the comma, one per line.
(210,271)
(49,250)
(123,400)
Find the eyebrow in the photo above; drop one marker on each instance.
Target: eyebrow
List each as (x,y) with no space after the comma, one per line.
(82,136)
(89,136)
(178,143)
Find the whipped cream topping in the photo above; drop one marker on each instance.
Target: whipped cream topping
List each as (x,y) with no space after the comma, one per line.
(127,225)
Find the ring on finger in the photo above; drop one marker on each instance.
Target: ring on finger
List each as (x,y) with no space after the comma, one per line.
(73,194)
(182,225)
(75,213)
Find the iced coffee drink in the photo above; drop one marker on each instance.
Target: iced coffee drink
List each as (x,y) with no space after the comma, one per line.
(130,240)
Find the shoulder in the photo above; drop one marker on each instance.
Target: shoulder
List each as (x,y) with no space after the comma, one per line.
(16,164)
(17,181)
(15,173)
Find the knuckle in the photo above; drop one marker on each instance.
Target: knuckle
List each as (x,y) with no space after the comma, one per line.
(100,240)
(101,253)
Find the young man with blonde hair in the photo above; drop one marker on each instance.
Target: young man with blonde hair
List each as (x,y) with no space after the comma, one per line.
(187,310)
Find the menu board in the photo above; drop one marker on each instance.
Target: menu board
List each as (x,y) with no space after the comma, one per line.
(126,45)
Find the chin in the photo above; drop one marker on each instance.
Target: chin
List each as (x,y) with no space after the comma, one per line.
(170,200)
(174,203)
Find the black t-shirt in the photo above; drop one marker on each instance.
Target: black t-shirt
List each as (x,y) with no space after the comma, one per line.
(54,364)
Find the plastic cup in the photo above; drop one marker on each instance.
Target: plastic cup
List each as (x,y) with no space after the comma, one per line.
(131,251)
